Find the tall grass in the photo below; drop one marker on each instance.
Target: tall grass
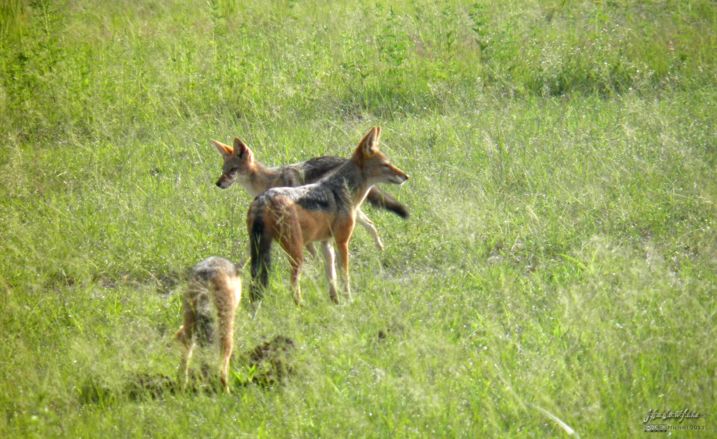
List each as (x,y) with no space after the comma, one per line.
(559,263)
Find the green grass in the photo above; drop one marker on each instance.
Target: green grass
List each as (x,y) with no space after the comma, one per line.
(561,250)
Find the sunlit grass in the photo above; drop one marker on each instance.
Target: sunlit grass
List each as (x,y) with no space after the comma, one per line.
(558,269)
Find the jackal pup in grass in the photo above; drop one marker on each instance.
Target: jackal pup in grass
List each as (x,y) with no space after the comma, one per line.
(240,166)
(212,296)
(321,211)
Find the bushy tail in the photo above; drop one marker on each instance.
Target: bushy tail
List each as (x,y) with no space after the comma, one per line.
(260,248)
(201,324)
(204,327)
(383,200)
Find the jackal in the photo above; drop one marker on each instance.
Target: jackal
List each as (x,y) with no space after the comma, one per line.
(213,294)
(327,209)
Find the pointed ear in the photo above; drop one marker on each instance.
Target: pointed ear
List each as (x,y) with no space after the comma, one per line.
(240,147)
(222,148)
(369,144)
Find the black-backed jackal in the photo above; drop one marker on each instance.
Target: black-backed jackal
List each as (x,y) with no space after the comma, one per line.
(322,211)
(210,301)
(240,166)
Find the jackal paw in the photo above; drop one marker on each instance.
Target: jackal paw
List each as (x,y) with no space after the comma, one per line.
(379,245)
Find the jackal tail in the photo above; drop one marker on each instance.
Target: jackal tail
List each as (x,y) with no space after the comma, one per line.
(205,328)
(260,240)
(383,200)
(199,321)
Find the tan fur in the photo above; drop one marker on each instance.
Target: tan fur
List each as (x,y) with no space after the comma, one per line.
(323,211)
(214,291)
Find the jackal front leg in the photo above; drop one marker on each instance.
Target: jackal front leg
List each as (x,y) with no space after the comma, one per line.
(296,259)
(329,265)
(364,220)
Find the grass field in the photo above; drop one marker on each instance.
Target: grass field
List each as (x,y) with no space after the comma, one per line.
(558,272)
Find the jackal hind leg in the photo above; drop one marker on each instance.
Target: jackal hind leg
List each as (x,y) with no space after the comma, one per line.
(294,249)
(226,301)
(343,248)
(296,263)
(227,346)
(185,336)
(189,345)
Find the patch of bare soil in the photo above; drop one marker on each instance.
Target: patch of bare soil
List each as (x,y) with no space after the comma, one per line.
(272,361)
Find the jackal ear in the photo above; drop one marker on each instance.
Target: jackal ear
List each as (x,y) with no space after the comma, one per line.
(222,148)
(240,147)
(369,144)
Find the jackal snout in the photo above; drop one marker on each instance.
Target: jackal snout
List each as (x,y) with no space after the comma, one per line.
(398,176)
(224,181)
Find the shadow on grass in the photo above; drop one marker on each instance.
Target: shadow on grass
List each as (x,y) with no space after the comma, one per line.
(269,364)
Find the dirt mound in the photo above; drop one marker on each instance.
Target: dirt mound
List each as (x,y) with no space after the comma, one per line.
(272,361)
